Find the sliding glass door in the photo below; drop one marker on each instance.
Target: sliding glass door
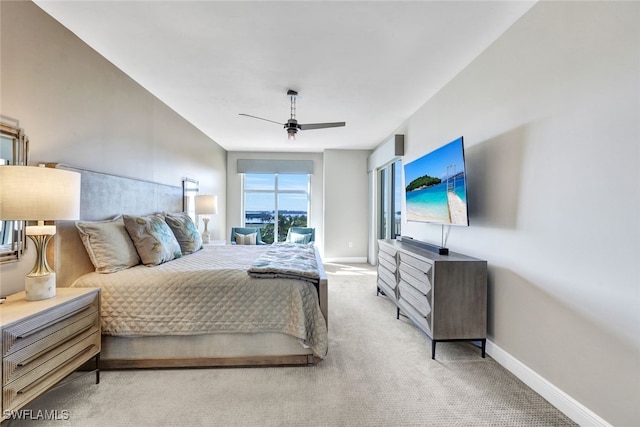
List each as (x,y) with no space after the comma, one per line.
(390,200)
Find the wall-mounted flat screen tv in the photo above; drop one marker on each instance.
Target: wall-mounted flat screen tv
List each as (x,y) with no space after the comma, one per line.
(436,186)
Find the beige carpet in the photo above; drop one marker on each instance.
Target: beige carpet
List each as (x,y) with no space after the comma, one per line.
(378,372)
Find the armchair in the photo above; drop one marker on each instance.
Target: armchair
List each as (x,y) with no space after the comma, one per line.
(245,231)
(304,235)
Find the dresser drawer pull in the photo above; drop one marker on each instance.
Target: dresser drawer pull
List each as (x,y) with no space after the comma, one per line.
(34,384)
(46,350)
(36,330)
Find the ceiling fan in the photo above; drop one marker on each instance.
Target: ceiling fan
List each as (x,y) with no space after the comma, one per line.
(292,126)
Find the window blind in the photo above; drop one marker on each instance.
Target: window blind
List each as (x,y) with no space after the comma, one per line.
(275,166)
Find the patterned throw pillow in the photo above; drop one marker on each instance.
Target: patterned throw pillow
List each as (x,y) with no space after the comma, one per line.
(305,239)
(185,231)
(246,239)
(153,239)
(108,245)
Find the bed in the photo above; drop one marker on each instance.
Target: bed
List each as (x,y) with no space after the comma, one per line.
(203,309)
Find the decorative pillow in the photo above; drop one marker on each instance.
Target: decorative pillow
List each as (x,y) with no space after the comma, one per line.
(108,244)
(300,238)
(246,239)
(185,231)
(152,238)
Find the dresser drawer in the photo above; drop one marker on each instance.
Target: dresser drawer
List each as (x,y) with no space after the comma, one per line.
(417,263)
(414,297)
(418,279)
(388,261)
(423,322)
(388,278)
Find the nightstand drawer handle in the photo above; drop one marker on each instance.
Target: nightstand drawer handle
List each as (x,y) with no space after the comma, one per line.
(36,330)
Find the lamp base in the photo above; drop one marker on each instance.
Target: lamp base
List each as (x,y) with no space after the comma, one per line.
(205,237)
(40,287)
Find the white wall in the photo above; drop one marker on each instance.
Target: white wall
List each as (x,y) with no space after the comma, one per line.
(550,115)
(79,109)
(346,205)
(235,216)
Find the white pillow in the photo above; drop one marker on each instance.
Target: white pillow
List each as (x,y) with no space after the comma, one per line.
(305,239)
(108,244)
(246,239)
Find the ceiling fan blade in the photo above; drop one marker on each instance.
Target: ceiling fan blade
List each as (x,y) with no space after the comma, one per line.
(309,126)
(260,118)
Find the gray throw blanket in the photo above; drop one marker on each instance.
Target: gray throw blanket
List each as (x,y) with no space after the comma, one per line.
(289,261)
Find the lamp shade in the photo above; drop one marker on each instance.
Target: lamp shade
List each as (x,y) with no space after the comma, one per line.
(206,204)
(33,193)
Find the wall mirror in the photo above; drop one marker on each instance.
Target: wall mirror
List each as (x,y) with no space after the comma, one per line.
(190,188)
(14,150)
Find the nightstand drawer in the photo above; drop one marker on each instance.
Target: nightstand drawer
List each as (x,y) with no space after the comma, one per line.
(49,326)
(38,375)
(40,352)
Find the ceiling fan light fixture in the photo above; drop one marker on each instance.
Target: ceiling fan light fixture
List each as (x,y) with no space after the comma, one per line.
(291,133)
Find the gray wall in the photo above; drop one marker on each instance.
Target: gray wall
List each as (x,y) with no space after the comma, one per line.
(79,109)
(550,115)
(346,205)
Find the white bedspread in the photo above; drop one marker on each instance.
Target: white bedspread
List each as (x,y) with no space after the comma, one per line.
(208,291)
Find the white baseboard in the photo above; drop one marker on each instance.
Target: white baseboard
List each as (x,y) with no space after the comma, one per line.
(351,260)
(558,398)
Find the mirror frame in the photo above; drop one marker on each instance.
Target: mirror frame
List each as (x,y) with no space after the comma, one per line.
(10,129)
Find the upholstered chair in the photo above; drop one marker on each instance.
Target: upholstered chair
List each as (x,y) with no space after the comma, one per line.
(246,235)
(304,235)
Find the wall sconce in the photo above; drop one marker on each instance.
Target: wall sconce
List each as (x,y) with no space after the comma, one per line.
(30,193)
(206,205)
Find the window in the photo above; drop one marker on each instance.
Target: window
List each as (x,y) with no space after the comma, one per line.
(275,202)
(390,199)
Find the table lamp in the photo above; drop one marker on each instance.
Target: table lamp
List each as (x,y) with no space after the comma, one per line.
(206,205)
(30,193)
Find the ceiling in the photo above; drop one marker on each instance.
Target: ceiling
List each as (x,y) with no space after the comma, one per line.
(369,63)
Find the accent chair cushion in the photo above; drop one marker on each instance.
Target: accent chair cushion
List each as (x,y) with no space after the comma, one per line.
(185,231)
(304,239)
(153,239)
(246,239)
(108,244)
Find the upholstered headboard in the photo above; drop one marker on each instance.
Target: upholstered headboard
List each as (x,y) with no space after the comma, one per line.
(104,196)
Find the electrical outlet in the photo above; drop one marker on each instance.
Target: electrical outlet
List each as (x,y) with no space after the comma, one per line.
(350,244)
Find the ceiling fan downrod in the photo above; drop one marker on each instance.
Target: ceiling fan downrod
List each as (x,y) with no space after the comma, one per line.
(292,124)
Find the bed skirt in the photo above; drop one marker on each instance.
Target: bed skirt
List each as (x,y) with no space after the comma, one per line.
(211,350)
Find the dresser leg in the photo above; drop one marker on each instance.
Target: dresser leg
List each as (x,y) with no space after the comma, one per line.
(484,347)
(433,349)
(397,313)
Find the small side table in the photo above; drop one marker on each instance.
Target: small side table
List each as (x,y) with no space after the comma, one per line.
(45,341)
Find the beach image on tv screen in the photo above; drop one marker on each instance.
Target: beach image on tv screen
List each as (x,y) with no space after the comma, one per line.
(436,187)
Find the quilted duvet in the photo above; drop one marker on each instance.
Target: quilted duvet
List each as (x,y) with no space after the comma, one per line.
(205,292)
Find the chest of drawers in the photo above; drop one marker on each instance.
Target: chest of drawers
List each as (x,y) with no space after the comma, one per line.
(444,295)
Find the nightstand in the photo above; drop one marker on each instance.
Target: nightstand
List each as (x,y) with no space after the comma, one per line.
(45,341)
